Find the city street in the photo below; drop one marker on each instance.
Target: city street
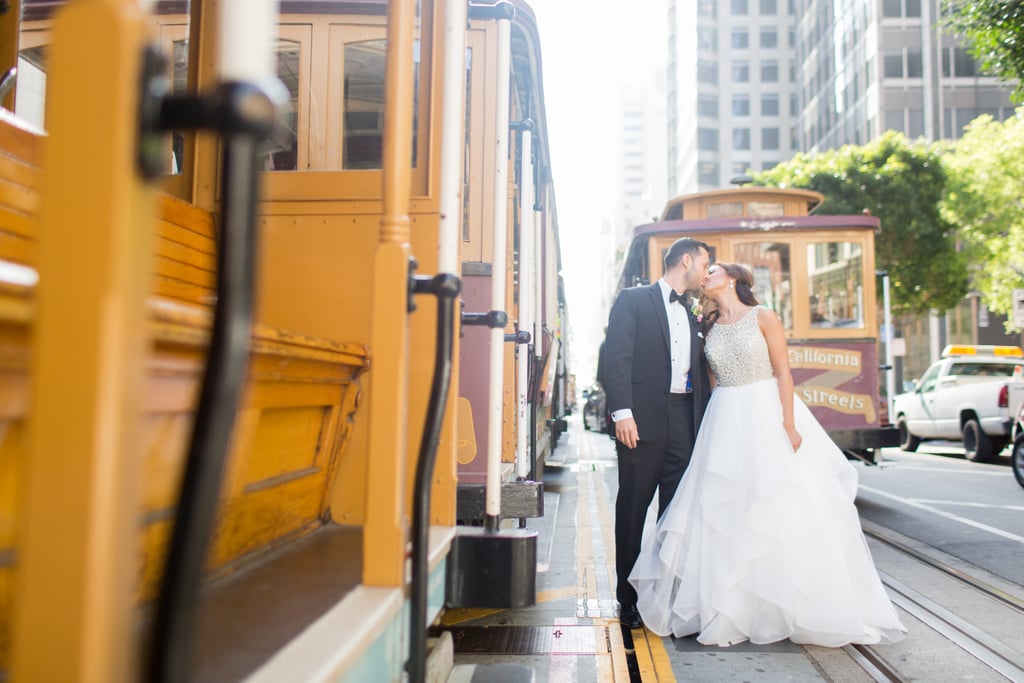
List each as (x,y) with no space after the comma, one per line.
(972,511)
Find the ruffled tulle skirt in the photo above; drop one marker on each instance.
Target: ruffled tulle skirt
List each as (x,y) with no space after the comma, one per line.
(761,543)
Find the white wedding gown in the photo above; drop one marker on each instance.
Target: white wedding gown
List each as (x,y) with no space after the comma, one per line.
(761,543)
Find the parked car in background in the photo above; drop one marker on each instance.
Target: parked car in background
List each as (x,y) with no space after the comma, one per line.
(595,412)
(964,395)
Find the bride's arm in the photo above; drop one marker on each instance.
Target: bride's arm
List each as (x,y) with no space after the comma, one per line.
(771,328)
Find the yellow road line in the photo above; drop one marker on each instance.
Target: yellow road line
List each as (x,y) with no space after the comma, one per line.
(554,594)
(452,617)
(620,667)
(652,657)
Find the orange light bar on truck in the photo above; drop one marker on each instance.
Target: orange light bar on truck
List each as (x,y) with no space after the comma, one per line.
(985,350)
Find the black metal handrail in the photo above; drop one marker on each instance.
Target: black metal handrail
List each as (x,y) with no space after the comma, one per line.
(446,288)
(245,115)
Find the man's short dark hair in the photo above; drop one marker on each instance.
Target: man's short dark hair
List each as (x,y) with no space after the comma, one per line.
(683,245)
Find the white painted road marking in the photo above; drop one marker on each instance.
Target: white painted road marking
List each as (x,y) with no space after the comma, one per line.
(943,513)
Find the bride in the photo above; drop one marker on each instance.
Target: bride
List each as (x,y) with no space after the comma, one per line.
(762,541)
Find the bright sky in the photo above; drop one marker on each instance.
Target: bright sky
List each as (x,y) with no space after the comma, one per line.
(589,51)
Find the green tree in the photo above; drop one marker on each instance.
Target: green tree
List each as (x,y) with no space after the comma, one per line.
(986,177)
(994,30)
(902,184)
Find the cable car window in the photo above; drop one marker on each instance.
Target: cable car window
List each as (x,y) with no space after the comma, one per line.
(835,286)
(363,116)
(725,209)
(467,152)
(178,36)
(765,209)
(282,152)
(773,284)
(30,80)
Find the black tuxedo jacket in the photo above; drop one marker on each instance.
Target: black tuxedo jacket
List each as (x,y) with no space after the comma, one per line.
(638,365)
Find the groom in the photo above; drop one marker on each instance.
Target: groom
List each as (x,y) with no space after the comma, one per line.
(657,388)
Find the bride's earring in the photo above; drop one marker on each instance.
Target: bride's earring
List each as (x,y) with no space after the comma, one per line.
(732,283)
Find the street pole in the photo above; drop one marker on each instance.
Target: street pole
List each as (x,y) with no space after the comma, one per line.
(890,373)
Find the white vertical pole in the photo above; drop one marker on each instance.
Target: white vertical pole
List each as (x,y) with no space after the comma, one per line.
(453,98)
(247,33)
(537,286)
(526,314)
(891,373)
(498,271)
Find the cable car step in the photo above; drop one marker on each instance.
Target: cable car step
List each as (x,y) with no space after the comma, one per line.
(876,437)
(495,569)
(518,499)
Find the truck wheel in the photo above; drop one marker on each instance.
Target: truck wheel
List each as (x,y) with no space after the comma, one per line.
(977,444)
(1017,459)
(908,442)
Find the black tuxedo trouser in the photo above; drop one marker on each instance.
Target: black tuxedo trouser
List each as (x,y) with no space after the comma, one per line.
(657,464)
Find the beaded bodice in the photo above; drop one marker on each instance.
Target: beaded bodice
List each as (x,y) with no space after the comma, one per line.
(737,352)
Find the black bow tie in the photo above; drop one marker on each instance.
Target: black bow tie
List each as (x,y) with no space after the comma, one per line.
(673,296)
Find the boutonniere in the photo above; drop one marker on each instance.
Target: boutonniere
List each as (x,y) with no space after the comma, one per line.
(697,310)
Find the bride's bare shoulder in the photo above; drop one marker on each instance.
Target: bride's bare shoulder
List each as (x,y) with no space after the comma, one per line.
(767,318)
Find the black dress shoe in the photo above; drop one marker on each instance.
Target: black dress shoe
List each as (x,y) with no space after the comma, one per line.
(630,617)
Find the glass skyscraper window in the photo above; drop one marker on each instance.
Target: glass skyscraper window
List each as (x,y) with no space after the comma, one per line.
(741,138)
(707,139)
(892,66)
(707,71)
(914,67)
(707,39)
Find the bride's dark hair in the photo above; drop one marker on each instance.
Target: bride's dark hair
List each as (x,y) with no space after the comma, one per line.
(744,288)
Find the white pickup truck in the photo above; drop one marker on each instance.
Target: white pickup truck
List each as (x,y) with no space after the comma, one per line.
(962,396)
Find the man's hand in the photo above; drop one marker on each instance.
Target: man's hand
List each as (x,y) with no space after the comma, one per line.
(625,431)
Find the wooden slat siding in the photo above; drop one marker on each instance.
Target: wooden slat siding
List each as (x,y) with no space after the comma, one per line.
(185,283)
(18,142)
(19,193)
(16,313)
(19,188)
(185,252)
(13,247)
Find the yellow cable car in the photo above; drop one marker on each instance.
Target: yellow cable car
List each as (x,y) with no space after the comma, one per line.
(157,524)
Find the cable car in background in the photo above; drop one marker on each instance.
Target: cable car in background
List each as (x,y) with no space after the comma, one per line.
(816,272)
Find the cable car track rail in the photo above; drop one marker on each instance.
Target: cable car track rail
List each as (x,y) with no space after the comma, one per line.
(973,639)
